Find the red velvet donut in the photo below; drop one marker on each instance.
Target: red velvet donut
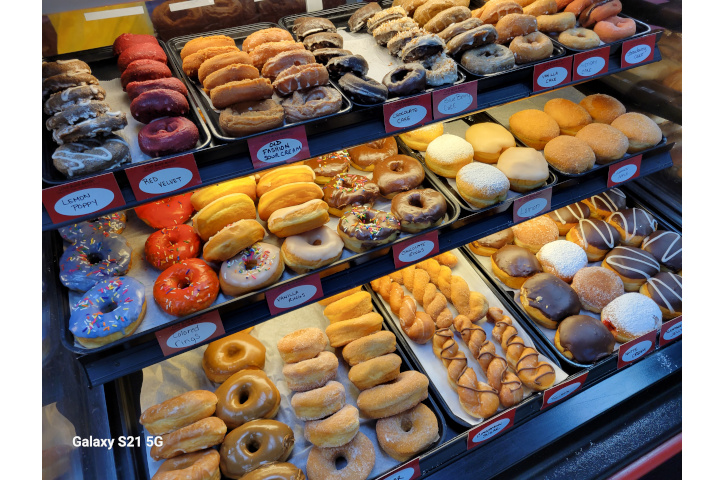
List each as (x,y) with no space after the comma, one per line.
(141,50)
(168,212)
(186,287)
(134,89)
(168,246)
(158,103)
(144,69)
(168,135)
(125,40)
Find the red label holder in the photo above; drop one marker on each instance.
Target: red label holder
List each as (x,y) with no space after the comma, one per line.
(491,428)
(284,146)
(407,471)
(624,171)
(83,197)
(638,50)
(407,113)
(591,63)
(415,249)
(554,73)
(563,390)
(636,349)
(532,205)
(163,177)
(293,294)
(190,333)
(455,100)
(671,331)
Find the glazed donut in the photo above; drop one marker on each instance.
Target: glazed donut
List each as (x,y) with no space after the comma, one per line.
(186,287)
(276,470)
(579,38)
(228,355)
(165,136)
(343,332)
(359,454)
(556,23)
(241,91)
(254,267)
(93,259)
(158,103)
(311,250)
(178,412)
(60,82)
(532,47)
(404,393)
(304,26)
(218,62)
(264,52)
(288,195)
(633,224)
(301,345)
(406,434)
(488,59)
(335,430)
(191,438)
(202,465)
(245,396)
(346,191)
(312,103)
(352,306)
(375,371)
(300,77)
(482,185)
(112,223)
(577,6)
(514,25)
(235,72)
(363,228)
(475,37)
(59,101)
(152,51)
(134,89)
(90,155)
(253,445)
(98,126)
(246,118)
(311,373)
(406,79)
(144,69)
(447,154)
(166,213)
(419,209)
(298,219)
(266,35)
(369,347)
(615,28)
(284,60)
(168,246)
(196,44)
(363,90)
(397,173)
(322,40)
(365,157)
(326,167)
(320,402)
(222,212)
(193,62)
(534,128)
(122,42)
(598,11)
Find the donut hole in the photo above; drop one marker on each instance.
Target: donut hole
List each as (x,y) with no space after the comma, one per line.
(184,283)
(253,446)
(250,264)
(415,202)
(317,243)
(340,462)
(399,76)
(243,397)
(94,258)
(406,424)
(108,307)
(396,166)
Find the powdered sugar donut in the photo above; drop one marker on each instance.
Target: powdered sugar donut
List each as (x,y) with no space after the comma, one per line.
(447,154)
(562,258)
(631,316)
(481,184)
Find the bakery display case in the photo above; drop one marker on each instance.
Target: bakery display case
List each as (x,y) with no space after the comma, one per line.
(228,182)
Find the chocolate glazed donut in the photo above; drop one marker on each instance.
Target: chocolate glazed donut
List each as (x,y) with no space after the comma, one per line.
(418,209)
(396,174)
(254,444)
(405,80)
(363,90)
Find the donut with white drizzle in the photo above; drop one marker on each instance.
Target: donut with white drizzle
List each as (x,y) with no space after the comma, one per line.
(606,203)
(665,289)
(595,236)
(633,225)
(634,266)
(569,217)
(666,247)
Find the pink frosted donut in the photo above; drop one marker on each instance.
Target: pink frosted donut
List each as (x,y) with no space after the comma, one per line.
(615,28)
(158,103)
(168,135)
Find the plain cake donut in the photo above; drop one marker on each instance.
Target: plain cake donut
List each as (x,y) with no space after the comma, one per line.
(359,454)
(408,433)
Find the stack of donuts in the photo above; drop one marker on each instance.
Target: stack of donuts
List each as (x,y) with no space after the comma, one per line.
(597,22)
(157,98)
(81,122)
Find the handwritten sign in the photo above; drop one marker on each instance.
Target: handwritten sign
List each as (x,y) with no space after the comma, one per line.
(294,294)
(638,50)
(532,205)
(415,249)
(491,428)
(284,146)
(407,471)
(671,331)
(407,113)
(552,74)
(591,63)
(636,349)
(454,100)
(563,390)
(84,197)
(163,177)
(190,333)
(623,171)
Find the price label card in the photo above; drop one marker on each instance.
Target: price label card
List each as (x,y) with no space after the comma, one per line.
(454,100)
(563,390)
(491,428)
(285,146)
(415,249)
(671,331)
(532,205)
(407,113)
(83,197)
(163,177)
(293,294)
(636,349)
(588,64)
(623,171)
(407,471)
(638,50)
(552,74)
(190,333)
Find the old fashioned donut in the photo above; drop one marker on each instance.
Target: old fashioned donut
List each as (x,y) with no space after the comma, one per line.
(369,347)
(90,155)
(300,77)
(514,25)
(231,73)
(363,90)
(144,69)
(241,91)
(363,228)
(335,430)
(419,209)
(266,35)
(229,355)
(186,287)
(245,396)
(397,173)
(134,89)
(202,465)
(171,245)
(312,103)
(255,444)
(312,249)
(375,371)
(196,44)
(406,434)
(98,126)
(193,62)
(179,411)
(166,213)
(218,62)
(320,402)
(284,60)
(540,7)
(302,345)
(556,23)
(579,38)
(287,195)
(255,267)
(158,103)
(365,157)
(359,454)
(404,393)
(245,118)
(152,51)
(93,259)
(72,96)
(191,438)
(405,80)
(311,373)
(488,59)
(264,52)
(165,136)
(125,40)
(531,47)
(615,28)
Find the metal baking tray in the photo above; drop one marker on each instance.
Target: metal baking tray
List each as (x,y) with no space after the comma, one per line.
(524,70)
(104,67)
(61,304)
(210,113)
(614,47)
(510,296)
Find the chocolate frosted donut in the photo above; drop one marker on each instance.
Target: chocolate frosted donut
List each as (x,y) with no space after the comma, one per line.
(595,236)
(305,26)
(323,40)
(549,299)
(665,289)
(323,55)
(355,64)
(584,339)
(569,216)
(633,224)
(605,203)
(475,37)
(326,167)
(487,246)
(363,90)
(405,80)
(349,190)
(158,103)
(359,19)
(633,262)
(421,48)
(513,265)
(418,209)
(396,174)
(666,247)
(165,136)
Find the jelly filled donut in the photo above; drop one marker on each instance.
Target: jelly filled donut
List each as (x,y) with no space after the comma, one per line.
(166,213)
(92,259)
(171,245)
(226,356)
(254,267)
(363,228)
(245,396)
(109,311)
(112,223)
(630,316)
(583,339)
(165,136)
(186,287)
(255,444)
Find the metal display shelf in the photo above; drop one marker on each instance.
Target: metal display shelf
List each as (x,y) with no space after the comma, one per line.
(226,161)
(103,367)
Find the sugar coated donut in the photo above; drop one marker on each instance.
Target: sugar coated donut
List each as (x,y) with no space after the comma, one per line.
(603,108)
(482,185)
(375,371)
(302,345)
(419,209)
(232,239)
(245,396)
(92,259)
(615,28)
(320,402)
(365,157)
(369,347)
(186,287)
(535,233)
(406,434)
(255,444)
(199,435)
(363,228)
(404,393)
(607,143)
(179,411)
(359,454)
(641,131)
(202,465)
(255,267)
(631,316)
(447,154)
(346,331)
(166,213)
(569,154)
(335,430)
(311,373)
(168,246)
(112,223)
(596,287)
(311,250)
(228,355)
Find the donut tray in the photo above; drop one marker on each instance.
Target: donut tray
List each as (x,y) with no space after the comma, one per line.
(210,113)
(156,319)
(165,380)
(447,186)
(502,113)
(103,66)
(614,47)
(426,361)
(512,299)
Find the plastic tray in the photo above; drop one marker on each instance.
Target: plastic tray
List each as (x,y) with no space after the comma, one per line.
(104,67)
(210,113)
(641,30)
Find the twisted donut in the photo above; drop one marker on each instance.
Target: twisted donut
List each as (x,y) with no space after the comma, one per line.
(418,326)
(478,399)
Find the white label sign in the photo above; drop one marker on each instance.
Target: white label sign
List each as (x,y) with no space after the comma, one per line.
(295,296)
(491,430)
(408,116)
(673,332)
(165,181)
(191,335)
(455,103)
(638,53)
(416,251)
(624,173)
(279,150)
(564,392)
(590,66)
(552,77)
(85,201)
(532,207)
(636,351)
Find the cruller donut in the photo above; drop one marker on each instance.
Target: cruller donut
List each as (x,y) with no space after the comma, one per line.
(228,355)
(178,412)
(245,396)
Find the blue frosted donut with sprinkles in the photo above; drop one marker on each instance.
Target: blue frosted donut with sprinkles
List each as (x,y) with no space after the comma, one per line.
(109,311)
(113,223)
(94,259)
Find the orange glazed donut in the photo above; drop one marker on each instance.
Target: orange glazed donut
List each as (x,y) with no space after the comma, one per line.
(186,287)
(192,63)
(365,157)
(615,28)
(230,73)
(171,245)
(264,52)
(265,36)
(228,355)
(166,213)
(202,465)
(241,91)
